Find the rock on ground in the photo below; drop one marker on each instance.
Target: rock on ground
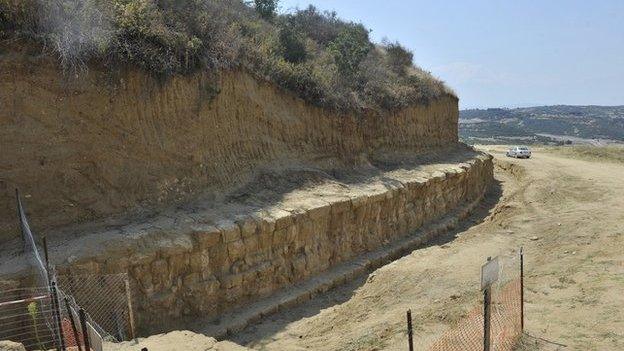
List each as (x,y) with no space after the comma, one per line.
(6,345)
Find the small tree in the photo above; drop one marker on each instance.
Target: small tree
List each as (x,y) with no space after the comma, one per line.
(350,48)
(292,45)
(266,8)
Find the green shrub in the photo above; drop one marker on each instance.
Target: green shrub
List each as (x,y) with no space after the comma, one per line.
(322,27)
(266,8)
(327,61)
(292,45)
(350,48)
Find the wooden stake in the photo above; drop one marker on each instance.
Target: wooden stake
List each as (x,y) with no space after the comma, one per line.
(486,318)
(522,289)
(487,313)
(410,331)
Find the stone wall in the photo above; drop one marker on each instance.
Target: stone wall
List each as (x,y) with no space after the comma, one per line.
(105,143)
(208,269)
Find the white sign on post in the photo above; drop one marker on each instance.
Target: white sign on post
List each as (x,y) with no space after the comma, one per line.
(489,273)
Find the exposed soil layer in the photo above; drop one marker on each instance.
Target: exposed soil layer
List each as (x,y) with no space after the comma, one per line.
(112,143)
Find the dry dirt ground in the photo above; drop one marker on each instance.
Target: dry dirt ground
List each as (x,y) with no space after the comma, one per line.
(569,216)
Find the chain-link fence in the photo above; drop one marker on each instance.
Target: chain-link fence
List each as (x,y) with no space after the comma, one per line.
(75,312)
(106,299)
(53,319)
(496,322)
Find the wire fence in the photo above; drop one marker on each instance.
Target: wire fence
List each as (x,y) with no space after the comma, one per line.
(496,322)
(70,312)
(105,298)
(24,315)
(97,308)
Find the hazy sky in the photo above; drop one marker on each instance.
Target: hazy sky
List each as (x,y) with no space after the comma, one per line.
(505,52)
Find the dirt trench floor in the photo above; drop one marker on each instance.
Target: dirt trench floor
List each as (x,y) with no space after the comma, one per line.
(569,216)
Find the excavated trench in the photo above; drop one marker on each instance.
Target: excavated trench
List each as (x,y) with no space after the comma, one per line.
(220,211)
(215,269)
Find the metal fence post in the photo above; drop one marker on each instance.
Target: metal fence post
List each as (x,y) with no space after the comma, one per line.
(522,289)
(486,318)
(85,330)
(410,331)
(487,313)
(57,316)
(130,311)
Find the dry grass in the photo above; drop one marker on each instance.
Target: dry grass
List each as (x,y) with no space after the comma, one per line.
(613,153)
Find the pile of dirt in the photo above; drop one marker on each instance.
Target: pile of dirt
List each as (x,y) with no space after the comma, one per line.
(176,340)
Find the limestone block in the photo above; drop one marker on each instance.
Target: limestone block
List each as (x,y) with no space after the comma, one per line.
(165,299)
(280,237)
(232,281)
(340,206)
(238,267)
(305,233)
(206,236)
(85,267)
(229,230)
(144,278)
(176,245)
(236,250)
(438,176)
(178,264)
(249,282)
(200,262)
(265,239)
(219,261)
(160,272)
(191,281)
(319,212)
(282,218)
(247,226)
(234,294)
(116,265)
(299,265)
(266,224)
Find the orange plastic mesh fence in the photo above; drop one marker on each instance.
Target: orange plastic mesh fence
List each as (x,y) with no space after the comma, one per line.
(505,322)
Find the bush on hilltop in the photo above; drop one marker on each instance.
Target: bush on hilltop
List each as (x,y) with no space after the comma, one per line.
(327,61)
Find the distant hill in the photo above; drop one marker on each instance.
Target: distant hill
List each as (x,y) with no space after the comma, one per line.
(543,124)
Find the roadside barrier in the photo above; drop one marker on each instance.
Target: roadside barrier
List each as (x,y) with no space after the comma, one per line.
(497,321)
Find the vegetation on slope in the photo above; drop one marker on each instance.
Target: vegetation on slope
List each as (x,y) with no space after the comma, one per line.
(323,59)
(543,123)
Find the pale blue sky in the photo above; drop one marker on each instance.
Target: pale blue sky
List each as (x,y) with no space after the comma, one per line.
(504,53)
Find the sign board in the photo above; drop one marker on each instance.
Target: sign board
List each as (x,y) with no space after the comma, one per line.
(489,273)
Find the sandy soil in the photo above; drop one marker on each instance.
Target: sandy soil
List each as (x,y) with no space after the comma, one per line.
(177,340)
(567,214)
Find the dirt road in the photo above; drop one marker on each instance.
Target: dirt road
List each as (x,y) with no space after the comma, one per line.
(569,216)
